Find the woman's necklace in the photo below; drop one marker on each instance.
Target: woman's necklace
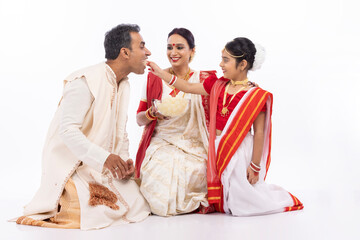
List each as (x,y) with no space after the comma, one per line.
(225,110)
(175,91)
(187,76)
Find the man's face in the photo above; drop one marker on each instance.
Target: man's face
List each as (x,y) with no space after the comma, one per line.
(138,54)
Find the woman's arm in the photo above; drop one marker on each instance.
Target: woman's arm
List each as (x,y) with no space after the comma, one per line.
(142,120)
(259,126)
(145,117)
(181,84)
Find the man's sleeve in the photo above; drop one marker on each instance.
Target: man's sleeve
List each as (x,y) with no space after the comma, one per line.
(124,150)
(76,102)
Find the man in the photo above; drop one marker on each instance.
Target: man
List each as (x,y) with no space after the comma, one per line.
(86,167)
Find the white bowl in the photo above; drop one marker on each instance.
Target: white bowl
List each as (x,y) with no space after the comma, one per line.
(172,106)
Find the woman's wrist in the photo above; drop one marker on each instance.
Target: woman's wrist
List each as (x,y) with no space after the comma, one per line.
(167,77)
(173,80)
(149,115)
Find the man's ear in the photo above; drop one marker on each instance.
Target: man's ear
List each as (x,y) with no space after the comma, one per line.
(124,53)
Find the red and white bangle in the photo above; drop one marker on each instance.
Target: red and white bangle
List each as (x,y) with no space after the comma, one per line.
(149,115)
(173,80)
(255,167)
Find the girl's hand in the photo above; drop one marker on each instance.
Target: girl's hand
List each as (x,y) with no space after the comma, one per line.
(252,176)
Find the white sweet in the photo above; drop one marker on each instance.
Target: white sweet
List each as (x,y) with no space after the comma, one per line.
(173,106)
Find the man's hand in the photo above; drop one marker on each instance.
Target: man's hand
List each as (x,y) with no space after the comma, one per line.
(117,166)
(130,169)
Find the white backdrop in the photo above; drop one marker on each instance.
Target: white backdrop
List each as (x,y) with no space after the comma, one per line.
(312,68)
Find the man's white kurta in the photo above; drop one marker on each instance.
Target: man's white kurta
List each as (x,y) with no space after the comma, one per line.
(90,123)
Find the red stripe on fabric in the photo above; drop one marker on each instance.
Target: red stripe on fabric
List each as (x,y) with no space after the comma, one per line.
(214,193)
(293,198)
(175,92)
(153,91)
(224,143)
(253,114)
(298,201)
(206,99)
(142,107)
(297,204)
(268,160)
(219,205)
(222,200)
(211,171)
(243,121)
(234,139)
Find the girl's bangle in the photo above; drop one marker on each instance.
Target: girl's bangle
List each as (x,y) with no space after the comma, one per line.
(255,167)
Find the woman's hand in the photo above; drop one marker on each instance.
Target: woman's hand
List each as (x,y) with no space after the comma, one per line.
(155,69)
(252,176)
(155,113)
(253,84)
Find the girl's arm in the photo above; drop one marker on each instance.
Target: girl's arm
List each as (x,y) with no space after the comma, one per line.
(259,126)
(181,84)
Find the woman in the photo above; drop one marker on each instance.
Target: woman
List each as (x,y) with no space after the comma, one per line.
(171,160)
(238,160)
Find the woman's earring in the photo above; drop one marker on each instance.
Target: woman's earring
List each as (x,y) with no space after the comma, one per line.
(191,58)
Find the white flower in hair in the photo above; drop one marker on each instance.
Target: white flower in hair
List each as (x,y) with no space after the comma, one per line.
(259,57)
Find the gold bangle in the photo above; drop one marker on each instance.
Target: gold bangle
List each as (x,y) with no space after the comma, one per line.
(149,116)
(150,113)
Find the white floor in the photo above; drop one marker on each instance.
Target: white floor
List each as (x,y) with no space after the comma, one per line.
(327,215)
